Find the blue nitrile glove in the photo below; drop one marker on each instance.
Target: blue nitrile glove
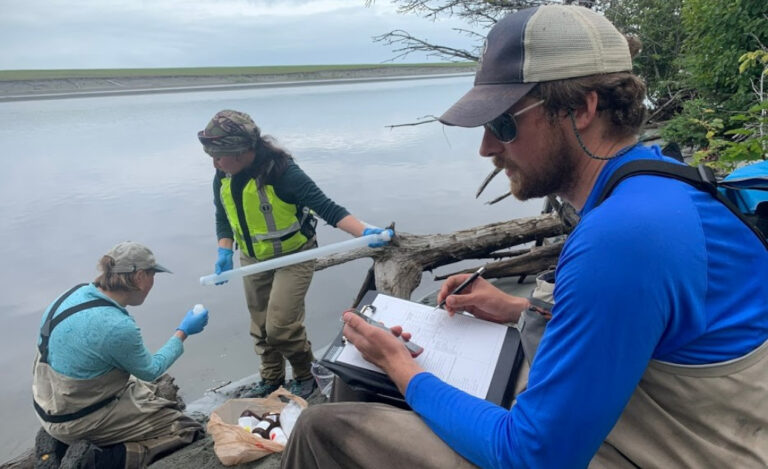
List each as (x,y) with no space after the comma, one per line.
(223,263)
(193,323)
(374,230)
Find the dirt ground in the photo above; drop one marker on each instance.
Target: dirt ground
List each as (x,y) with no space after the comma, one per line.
(19,90)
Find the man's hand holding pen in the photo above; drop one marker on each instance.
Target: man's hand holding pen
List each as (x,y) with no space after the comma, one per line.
(481,299)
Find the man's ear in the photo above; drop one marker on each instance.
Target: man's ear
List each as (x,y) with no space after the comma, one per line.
(584,115)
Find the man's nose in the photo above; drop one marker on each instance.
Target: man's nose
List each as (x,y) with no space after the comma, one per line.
(490,146)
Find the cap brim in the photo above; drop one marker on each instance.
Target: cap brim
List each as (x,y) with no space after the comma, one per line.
(160,268)
(483,103)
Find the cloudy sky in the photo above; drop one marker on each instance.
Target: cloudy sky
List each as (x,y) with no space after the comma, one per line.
(46,34)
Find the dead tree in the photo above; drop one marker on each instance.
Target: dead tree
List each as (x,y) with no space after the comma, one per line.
(398,266)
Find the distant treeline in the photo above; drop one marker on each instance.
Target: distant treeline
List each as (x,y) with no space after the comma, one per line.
(7,75)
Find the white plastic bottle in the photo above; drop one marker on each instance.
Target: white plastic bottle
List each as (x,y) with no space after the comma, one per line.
(278,436)
(247,422)
(262,429)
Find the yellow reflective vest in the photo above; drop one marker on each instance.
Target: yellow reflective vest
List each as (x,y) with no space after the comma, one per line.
(267,223)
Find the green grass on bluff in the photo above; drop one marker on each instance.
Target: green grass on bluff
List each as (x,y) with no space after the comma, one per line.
(8,75)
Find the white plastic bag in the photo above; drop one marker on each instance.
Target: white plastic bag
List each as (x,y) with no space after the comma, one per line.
(236,445)
(288,417)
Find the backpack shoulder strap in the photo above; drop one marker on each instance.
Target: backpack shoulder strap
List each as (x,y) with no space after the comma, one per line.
(701,177)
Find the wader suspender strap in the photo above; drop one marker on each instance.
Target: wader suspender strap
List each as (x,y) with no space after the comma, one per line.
(45,331)
(74,415)
(702,178)
(45,334)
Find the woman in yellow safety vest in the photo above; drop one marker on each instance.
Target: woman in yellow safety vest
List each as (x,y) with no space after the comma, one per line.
(265,203)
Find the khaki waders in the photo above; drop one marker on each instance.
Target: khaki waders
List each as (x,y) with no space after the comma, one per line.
(276,304)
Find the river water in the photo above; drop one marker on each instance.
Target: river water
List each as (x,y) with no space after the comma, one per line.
(82,174)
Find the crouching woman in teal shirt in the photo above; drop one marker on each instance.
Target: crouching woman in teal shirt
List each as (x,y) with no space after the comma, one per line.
(92,372)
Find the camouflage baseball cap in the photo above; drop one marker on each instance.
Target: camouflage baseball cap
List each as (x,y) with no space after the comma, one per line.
(229,132)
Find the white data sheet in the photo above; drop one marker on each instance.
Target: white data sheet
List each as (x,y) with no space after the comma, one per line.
(460,350)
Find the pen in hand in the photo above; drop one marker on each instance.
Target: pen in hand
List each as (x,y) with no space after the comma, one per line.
(461,287)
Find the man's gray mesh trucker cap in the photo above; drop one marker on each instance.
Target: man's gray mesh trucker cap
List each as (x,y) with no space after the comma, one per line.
(533,45)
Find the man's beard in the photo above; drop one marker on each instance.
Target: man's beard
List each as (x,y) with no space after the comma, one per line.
(553,173)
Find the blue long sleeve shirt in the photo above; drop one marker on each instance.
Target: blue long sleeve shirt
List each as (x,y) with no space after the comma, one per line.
(660,270)
(95,341)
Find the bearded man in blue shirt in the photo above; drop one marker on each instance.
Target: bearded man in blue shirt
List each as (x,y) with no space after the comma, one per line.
(657,351)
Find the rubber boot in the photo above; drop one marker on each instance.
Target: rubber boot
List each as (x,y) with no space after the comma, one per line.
(48,451)
(80,455)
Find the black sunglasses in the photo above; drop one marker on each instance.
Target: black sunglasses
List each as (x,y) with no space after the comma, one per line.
(504,127)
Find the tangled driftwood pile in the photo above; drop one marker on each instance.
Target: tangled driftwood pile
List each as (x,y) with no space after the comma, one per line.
(398,267)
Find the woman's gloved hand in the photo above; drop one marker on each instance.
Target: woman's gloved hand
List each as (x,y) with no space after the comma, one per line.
(374,230)
(223,263)
(193,322)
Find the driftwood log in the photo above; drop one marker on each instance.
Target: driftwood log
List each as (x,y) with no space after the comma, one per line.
(534,260)
(398,266)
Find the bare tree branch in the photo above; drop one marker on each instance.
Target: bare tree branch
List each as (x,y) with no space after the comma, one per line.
(408,44)
(481,14)
(432,119)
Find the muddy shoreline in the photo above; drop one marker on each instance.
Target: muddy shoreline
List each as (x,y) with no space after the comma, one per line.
(24,90)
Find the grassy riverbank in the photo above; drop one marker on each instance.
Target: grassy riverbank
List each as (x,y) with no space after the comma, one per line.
(11,75)
(20,85)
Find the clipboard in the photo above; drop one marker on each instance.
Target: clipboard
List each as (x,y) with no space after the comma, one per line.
(500,390)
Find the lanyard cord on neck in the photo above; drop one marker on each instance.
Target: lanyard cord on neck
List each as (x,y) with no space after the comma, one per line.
(589,153)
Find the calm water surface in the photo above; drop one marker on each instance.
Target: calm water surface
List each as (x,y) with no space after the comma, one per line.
(81,175)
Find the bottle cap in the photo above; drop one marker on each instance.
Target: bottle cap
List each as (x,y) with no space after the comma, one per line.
(198,309)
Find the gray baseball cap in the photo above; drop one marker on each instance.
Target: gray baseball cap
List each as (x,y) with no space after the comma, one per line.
(544,43)
(130,256)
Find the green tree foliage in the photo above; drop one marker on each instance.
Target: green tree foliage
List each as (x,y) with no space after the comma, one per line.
(724,58)
(688,127)
(745,136)
(718,33)
(656,23)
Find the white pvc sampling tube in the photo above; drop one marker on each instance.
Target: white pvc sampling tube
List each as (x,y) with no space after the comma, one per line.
(301,256)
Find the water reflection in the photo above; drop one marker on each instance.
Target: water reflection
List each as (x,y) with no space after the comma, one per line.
(82,174)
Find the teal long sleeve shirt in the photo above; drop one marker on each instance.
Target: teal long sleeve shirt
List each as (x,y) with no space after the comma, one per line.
(95,341)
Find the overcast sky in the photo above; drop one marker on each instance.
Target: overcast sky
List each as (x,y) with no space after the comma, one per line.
(45,34)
